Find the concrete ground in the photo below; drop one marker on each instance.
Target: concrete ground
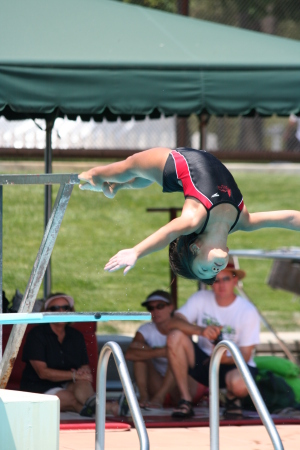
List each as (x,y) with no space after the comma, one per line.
(231,438)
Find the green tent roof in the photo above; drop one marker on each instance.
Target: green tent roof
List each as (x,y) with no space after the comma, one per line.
(106,58)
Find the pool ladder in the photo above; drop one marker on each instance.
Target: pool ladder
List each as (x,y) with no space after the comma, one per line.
(221,347)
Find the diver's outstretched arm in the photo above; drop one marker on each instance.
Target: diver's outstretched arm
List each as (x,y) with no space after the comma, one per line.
(288,219)
(156,241)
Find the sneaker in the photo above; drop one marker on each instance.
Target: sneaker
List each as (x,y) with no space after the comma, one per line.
(89,407)
(123,405)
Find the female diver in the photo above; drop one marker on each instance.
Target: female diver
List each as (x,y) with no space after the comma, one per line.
(212,209)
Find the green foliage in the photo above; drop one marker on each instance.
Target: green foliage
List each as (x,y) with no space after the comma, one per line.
(257,9)
(165,5)
(246,13)
(250,13)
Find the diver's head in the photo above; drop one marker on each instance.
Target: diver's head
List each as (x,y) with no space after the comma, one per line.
(190,257)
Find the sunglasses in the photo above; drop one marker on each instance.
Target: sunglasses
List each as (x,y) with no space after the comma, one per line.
(225,279)
(159,306)
(59,308)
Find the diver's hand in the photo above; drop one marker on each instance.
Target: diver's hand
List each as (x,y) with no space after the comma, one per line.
(125,258)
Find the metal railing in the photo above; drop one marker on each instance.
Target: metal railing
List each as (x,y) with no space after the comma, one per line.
(115,349)
(252,389)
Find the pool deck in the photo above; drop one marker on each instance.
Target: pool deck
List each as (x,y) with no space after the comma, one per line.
(231,438)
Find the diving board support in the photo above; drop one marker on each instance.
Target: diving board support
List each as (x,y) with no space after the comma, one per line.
(115,349)
(256,397)
(41,261)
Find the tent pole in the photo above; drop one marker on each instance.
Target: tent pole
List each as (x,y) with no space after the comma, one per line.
(48,197)
(203,121)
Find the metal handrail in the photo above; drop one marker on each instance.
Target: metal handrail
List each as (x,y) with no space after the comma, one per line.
(252,389)
(115,349)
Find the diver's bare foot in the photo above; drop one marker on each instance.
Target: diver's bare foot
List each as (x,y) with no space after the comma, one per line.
(90,183)
(109,189)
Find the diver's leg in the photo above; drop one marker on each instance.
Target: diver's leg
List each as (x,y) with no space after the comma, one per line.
(147,165)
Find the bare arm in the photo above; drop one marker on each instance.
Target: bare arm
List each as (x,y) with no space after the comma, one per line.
(138,350)
(210,332)
(179,322)
(187,223)
(287,219)
(182,225)
(45,373)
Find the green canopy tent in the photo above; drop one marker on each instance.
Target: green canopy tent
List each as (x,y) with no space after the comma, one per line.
(102,58)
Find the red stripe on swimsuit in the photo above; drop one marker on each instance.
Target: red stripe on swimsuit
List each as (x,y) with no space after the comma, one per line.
(183,174)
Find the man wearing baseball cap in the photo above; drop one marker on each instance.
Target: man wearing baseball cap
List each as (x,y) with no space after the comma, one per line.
(213,315)
(148,352)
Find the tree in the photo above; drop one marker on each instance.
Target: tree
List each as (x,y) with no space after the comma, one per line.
(165,5)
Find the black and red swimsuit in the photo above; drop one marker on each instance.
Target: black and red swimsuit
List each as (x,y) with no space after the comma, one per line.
(203,177)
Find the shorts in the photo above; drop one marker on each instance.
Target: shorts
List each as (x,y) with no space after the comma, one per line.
(200,372)
(55,390)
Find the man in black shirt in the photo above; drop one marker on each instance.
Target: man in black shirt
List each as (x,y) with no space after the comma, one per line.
(57,362)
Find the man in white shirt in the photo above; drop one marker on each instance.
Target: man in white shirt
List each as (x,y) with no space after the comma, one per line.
(148,351)
(210,314)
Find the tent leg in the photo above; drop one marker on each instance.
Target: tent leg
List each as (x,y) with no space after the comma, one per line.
(35,281)
(203,121)
(48,197)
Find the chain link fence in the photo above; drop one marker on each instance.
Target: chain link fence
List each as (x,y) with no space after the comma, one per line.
(242,136)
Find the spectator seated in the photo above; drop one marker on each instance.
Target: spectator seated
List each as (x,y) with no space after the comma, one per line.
(88,329)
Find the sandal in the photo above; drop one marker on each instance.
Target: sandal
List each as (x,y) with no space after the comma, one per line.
(89,408)
(233,408)
(184,409)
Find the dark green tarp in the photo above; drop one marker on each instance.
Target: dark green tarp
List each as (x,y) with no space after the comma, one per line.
(105,58)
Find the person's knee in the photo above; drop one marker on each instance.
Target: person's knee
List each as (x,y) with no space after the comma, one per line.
(82,384)
(67,399)
(236,385)
(175,339)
